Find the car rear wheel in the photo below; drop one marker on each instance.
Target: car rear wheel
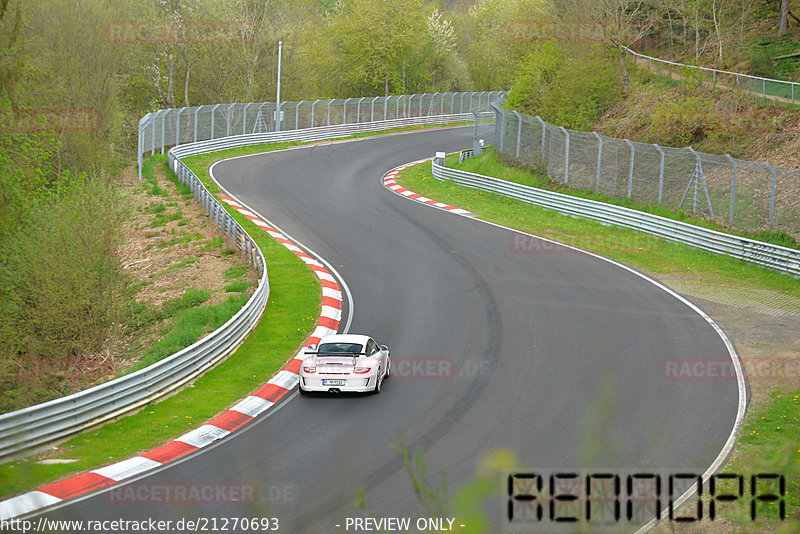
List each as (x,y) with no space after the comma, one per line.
(378,382)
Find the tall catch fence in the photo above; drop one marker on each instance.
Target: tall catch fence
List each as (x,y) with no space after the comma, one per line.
(741,194)
(176,126)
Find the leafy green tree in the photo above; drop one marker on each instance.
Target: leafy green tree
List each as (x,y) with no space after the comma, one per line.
(565,85)
(377,42)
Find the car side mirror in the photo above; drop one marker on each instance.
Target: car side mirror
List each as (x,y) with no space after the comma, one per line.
(384,348)
(311,348)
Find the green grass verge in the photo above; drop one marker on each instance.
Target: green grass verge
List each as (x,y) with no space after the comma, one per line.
(765,446)
(491,164)
(289,317)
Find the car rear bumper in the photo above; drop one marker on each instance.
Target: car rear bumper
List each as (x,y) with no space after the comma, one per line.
(351,384)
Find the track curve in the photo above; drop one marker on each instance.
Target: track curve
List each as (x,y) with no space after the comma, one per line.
(556,356)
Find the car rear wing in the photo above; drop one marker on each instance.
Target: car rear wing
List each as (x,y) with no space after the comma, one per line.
(353,354)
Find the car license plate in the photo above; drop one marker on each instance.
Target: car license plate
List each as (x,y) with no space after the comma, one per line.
(329,382)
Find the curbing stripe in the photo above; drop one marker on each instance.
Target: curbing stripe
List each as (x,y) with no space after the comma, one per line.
(76,485)
(252,406)
(240,414)
(202,436)
(126,468)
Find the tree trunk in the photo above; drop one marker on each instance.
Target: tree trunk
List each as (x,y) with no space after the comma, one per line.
(783,18)
(624,69)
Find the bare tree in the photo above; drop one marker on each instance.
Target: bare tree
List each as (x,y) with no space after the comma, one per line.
(621,23)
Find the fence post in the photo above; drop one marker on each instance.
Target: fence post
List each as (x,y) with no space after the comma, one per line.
(660,174)
(453,98)
(244,118)
(519,131)
(544,135)
(461,108)
(313,105)
(764,88)
(213,112)
(372,109)
(358,111)
(566,154)
(178,127)
(139,149)
(196,111)
(420,104)
(153,140)
(344,112)
(386,107)
(771,196)
(630,169)
(230,116)
(733,189)
(599,160)
(329,110)
(792,94)
(163,129)
(297,115)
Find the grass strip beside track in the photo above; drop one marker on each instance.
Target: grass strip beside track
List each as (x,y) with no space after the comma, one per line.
(490,164)
(290,316)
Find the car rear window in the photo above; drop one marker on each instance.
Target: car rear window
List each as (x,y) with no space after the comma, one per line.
(329,349)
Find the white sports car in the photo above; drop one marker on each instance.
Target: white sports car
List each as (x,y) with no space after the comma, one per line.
(345,362)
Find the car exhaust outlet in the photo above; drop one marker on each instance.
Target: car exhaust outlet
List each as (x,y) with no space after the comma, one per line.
(334,390)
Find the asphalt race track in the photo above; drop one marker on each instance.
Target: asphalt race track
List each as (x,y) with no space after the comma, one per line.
(554,354)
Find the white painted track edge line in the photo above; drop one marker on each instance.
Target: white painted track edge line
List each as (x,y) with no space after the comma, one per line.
(727,448)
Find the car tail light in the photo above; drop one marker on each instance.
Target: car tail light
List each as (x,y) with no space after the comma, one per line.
(361,370)
(310,368)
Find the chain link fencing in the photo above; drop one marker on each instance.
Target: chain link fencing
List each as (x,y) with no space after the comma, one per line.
(740,194)
(780,90)
(171,127)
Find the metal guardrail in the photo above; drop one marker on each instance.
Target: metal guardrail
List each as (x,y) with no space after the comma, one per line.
(783,89)
(319,133)
(29,430)
(742,194)
(177,126)
(783,259)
